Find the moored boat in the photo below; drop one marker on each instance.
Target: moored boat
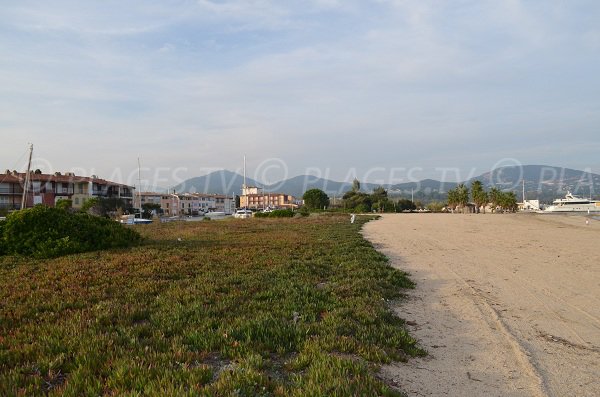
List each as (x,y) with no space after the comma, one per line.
(572,203)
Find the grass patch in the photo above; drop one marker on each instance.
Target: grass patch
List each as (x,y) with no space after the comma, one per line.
(271,307)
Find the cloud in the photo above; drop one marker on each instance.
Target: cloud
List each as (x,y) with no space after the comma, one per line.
(319,83)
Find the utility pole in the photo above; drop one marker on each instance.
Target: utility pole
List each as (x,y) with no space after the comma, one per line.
(27,178)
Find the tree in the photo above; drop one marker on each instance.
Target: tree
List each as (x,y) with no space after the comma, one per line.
(458,197)
(462,195)
(149,208)
(357,201)
(405,205)
(495,197)
(380,201)
(315,199)
(105,206)
(355,185)
(508,201)
(452,198)
(478,195)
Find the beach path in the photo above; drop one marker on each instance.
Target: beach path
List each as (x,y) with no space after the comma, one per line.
(506,305)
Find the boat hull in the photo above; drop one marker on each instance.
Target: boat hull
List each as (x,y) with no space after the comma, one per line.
(574,208)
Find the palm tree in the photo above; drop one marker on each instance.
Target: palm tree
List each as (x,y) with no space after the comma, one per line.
(495,196)
(508,201)
(462,195)
(479,196)
(452,198)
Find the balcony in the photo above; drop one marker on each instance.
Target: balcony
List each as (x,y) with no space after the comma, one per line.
(8,190)
(9,206)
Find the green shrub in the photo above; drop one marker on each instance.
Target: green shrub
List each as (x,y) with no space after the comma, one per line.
(2,244)
(275,214)
(44,232)
(362,208)
(64,204)
(281,214)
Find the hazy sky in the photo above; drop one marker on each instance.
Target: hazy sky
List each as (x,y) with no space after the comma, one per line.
(339,86)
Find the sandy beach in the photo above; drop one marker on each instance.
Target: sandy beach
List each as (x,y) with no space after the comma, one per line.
(506,305)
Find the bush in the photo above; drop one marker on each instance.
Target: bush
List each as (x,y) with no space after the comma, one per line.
(362,209)
(275,214)
(435,206)
(44,232)
(2,244)
(64,204)
(281,214)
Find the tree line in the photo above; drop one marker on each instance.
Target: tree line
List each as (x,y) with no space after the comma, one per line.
(499,201)
(356,200)
(459,198)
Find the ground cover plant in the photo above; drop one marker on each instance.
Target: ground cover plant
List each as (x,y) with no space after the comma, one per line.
(255,307)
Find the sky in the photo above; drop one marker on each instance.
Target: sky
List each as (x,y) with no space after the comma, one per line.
(375,89)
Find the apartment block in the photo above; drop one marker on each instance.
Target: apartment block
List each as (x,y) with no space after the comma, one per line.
(47,189)
(176,204)
(254,198)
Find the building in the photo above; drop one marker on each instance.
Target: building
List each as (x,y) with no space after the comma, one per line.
(224,204)
(530,205)
(255,198)
(47,189)
(176,204)
(147,198)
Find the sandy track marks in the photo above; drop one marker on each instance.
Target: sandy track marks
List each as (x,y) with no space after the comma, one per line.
(507,305)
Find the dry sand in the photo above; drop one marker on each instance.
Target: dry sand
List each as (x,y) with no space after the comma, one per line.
(506,305)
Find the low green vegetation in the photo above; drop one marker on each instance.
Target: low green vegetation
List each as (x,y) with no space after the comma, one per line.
(287,213)
(44,232)
(2,243)
(256,307)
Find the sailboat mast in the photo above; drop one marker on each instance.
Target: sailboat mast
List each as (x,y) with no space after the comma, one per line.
(140,186)
(27,177)
(244,189)
(244,185)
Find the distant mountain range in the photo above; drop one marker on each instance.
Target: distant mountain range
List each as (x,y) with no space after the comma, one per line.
(541,182)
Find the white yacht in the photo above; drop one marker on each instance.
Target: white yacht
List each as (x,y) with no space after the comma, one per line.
(572,203)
